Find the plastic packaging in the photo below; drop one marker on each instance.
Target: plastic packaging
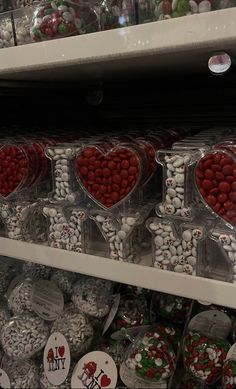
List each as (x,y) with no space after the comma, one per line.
(178,183)
(116,13)
(92,296)
(22,20)
(229,374)
(19,300)
(36,271)
(6,40)
(64,280)
(24,336)
(22,374)
(76,329)
(176,246)
(66,227)
(215,182)
(59,19)
(151,356)
(171,308)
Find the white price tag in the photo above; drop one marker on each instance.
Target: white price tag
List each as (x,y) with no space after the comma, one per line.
(47,300)
(4,380)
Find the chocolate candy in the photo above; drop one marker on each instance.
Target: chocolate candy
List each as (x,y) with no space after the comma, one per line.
(171,333)
(132,312)
(116,13)
(172,308)
(229,375)
(152,357)
(61,18)
(22,374)
(108,177)
(204,357)
(19,300)
(215,178)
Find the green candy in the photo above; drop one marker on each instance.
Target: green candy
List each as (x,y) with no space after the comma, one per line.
(183,7)
(63,29)
(175,14)
(49,11)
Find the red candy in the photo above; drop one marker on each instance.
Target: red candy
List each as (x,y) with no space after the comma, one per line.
(118,176)
(215,178)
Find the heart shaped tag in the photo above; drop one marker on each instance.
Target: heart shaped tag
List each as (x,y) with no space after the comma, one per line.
(204,357)
(215,178)
(13,170)
(105,381)
(108,177)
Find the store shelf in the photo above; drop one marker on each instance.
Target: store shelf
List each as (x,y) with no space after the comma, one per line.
(142,275)
(181,44)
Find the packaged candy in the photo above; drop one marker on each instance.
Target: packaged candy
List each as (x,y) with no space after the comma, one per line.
(24,336)
(151,356)
(172,308)
(66,227)
(22,374)
(176,247)
(116,349)
(116,13)
(204,357)
(59,19)
(64,280)
(45,384)
(76,329)
(92,296)
(215,182)
(229,374)
(19,300)
(36,271)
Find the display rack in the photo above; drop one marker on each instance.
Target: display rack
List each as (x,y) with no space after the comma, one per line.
(142,275)
(182,44)
(177,45)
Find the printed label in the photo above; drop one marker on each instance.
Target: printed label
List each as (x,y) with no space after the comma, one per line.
(96,370)
(56,359)
(112,313)
(47,300)
(213,323)
(4,380)
(132,381)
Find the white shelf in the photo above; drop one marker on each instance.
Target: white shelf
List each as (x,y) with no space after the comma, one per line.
(174,45)
(142,275)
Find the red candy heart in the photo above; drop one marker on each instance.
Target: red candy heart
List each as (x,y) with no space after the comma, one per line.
(215,177)
(105,381)
(108,178)
(13,169)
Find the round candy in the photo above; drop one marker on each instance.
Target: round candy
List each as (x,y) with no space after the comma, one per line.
(24,336)
(36,271)
(172,308)
(152,357)
(64,280)
(132,312)
(229,375)
(19,299)
(204,357)
(92,296)
(76,329)
(22,374)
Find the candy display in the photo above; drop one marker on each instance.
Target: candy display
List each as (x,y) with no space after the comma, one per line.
(171,253)
(92,296)
(204,357)
(116,13)
(58,19)
(151,357)
(229,374)
(36,271)
(19,300)
(76,328)
(22,374)
(172,308)
(23,336)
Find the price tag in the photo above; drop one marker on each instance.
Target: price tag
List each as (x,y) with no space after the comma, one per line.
(47,300)
(96,370)
(56,359)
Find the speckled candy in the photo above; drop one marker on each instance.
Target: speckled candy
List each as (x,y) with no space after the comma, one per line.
(204,357)
(108,178)
(172,308)
(229,375)
(215,178)
(152,357)
(132,312)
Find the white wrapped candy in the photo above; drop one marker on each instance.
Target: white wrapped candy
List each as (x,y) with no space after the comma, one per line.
(76,329)
(24,336)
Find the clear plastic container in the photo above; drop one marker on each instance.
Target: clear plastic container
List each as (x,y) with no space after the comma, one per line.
(67,227)
(62,18)
(176,247)
(116,13)
(6,32)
